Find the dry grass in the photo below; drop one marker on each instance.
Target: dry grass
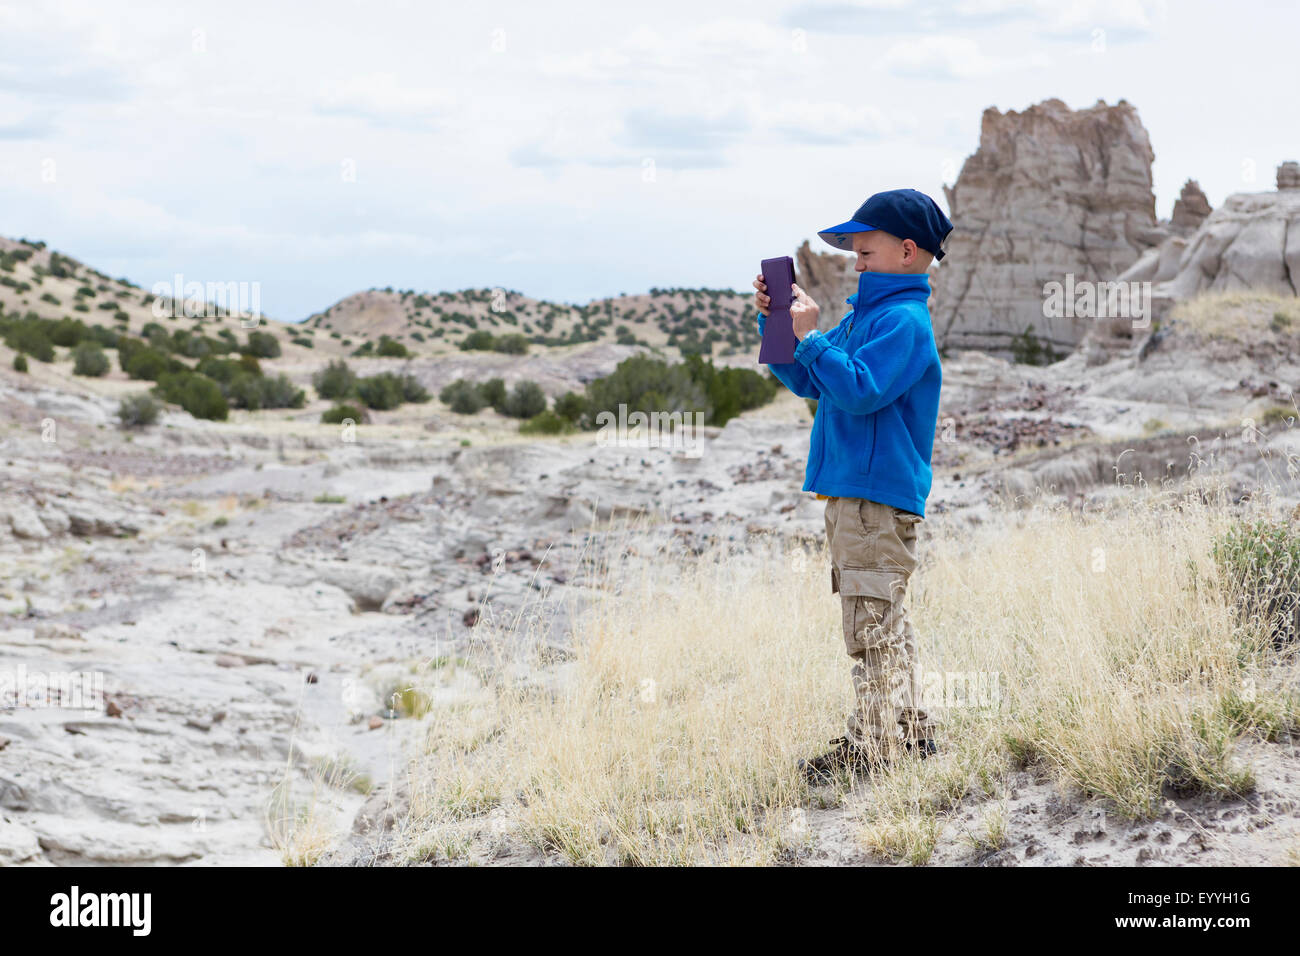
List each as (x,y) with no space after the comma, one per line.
(1245,317)
(1109,657)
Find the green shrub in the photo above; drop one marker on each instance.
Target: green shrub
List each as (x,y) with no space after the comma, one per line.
(571,406)
(31,337)
(335,380)
(413,391)
(197,394)
(137,411)
(68,332)
(278,391)
(462,396)
(494,393)
(525,400)
(1027,350)
(263,345)
(20,362)
(513,344)
(381,392)
(546,423)
(478,341)
(647,385)
(336,415)
(145,363)
(1260,565)
(391,348)
(88,359)
(246,390)
(731,390)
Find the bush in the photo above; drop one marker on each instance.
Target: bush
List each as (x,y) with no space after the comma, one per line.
(494,393)
(145,363)
(547,423)
(335,380)
(731,390)
(525,400)
(647,385)
(137,411)
(197,394)
(68,332)
(462,396)
(478,341)
(513,344)
(336,415)
(89,359)
(382,391)
(20,362)
(280,392)
(31,337)
(391,348)
(571,407)
(413,391)
(244,390)
(263,345)
(1260,564)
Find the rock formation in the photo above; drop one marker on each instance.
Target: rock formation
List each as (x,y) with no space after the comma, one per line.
(1252,241)
(1190,209)
(829,278)
(1050,192)
(1288,175)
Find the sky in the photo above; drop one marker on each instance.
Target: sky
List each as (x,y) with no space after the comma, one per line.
(572,151)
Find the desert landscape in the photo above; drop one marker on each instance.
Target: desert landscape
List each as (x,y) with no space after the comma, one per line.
(374,588)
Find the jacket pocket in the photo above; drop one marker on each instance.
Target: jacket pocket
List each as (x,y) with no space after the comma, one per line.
(869,446)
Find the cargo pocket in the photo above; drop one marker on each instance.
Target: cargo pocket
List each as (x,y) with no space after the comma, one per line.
(861,582)
(868,599)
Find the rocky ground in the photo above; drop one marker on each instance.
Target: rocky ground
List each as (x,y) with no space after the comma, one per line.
(253,593)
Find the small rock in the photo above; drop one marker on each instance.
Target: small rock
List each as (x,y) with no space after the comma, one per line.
(229,660)
(54,631)
(376,722)
(112,709)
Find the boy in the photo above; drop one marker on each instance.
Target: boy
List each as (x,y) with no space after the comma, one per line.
(876,379)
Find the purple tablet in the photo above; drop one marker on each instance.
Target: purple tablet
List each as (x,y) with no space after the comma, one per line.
(778,332)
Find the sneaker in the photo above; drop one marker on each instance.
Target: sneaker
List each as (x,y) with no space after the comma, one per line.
(843,758)
(922,748)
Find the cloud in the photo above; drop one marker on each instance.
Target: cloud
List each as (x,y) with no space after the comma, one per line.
(952,58)
(383,99)
(830,123)
(1056,19)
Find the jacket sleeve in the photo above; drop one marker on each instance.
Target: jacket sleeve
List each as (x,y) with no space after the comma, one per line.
(792,375)
(877,373)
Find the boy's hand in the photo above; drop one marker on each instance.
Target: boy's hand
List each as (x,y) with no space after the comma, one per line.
(761,298)
(804,311)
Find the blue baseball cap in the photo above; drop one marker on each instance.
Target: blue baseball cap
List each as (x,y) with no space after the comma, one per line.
(905,213)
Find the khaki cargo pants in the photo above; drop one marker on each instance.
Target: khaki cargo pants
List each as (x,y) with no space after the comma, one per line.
(873,553)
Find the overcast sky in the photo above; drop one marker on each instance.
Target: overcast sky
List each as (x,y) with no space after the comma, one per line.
(570,150)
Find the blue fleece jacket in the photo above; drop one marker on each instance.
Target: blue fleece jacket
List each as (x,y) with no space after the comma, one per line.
(876,378)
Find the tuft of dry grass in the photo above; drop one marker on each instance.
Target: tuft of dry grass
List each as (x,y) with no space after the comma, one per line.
(1100,650)
(1244,316)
